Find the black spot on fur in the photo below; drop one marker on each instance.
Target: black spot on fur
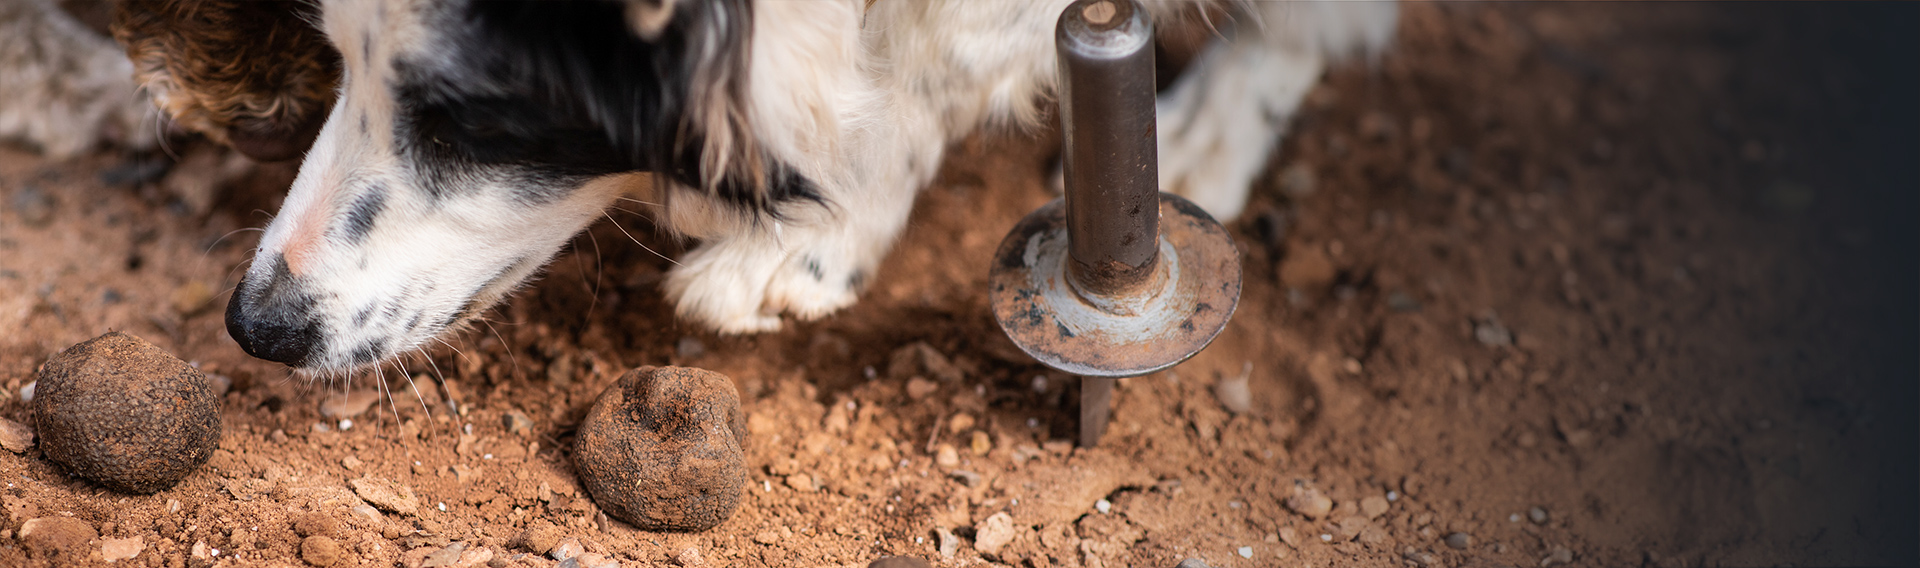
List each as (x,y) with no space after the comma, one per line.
(562,91)
(360,215)
(813,267)
(362,315)
(366,353)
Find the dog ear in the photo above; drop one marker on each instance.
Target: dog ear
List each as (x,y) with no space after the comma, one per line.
(255,75)
(647,18)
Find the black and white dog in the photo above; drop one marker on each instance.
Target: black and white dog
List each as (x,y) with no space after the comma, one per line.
(472,139)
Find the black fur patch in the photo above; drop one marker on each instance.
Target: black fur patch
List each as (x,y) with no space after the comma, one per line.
(360,215)
(562,91)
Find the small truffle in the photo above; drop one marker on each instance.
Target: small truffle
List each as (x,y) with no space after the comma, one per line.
(662,449)
(125,414)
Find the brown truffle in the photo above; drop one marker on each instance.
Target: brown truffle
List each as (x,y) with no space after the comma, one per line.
(662,449)
(125,414)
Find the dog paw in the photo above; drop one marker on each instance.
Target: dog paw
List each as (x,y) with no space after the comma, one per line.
(744,286)
(722,286)
(811,285)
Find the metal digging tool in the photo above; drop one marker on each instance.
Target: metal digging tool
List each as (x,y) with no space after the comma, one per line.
(1116,279)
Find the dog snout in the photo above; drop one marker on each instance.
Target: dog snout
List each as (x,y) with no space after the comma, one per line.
(271,316)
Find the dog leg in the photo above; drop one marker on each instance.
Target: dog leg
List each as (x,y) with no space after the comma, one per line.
(1220,122)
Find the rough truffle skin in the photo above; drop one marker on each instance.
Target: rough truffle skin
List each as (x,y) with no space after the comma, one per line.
(662,449)
(125,414)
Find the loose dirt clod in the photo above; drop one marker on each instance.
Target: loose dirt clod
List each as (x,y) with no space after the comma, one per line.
(320,550)
(662,449)
(57,540)
(125,414)
(899,562)
(15,437)
(1310,502)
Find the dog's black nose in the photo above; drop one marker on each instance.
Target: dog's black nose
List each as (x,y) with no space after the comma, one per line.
(272,317)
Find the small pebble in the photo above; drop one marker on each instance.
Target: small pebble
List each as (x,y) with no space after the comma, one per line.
(1104,506)
(980,445)
(1192,563)
(1373,507)
(445,556)
(569,548)
(967,478)
(661,449)
(26,392)
(946,456)
(801,482)
(993,533)
(1558,555)
(960,422)
(1246,552)
(386,494)
(1459,541)
(1309,502)
(516,422)
(1538,515)
(1233,392)
(349,405)
(56,537)
(116,549)
(689,556)
(949,542)
(1490,332)
(1289,536)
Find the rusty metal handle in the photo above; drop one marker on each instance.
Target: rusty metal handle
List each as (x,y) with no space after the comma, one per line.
(1105,50)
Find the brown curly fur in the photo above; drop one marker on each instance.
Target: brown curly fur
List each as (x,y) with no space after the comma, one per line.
(256,75)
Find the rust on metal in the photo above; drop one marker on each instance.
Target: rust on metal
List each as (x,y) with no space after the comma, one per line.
(1116,279)
(1121,336)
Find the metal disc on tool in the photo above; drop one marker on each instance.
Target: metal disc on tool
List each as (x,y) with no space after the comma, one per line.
(1044,313)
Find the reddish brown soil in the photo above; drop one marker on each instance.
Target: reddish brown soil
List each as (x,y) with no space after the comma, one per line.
(1682,215)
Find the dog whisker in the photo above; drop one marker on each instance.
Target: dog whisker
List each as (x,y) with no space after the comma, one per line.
(216,242)
(647,203)
(623,231)
(439,378)
(515,359)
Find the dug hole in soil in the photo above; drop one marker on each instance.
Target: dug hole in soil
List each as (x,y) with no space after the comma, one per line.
(1600,285)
